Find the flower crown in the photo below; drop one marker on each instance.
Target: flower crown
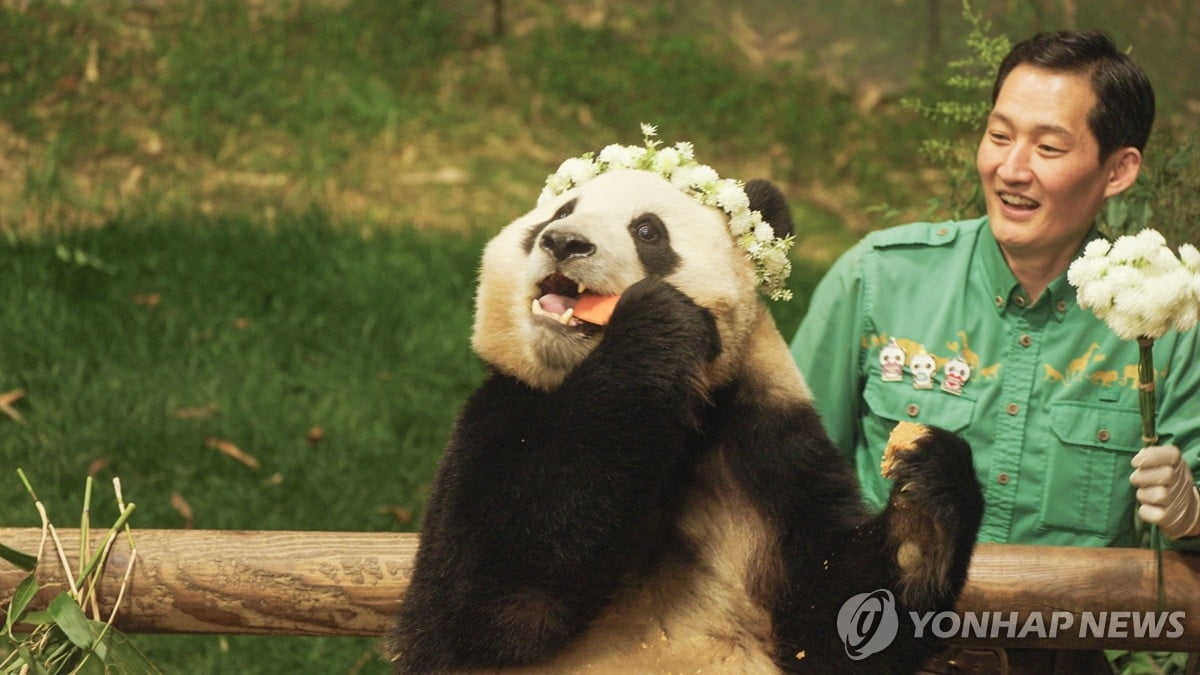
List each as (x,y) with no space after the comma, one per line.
(699,181)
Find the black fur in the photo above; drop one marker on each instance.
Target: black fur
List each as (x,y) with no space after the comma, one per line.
(531,237)
(831,547)
(766,198)
(546,505)
(653,244)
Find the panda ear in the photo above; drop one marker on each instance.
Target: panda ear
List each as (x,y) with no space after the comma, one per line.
(770,202)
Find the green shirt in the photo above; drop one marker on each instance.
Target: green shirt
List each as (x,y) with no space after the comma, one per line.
(1050,405)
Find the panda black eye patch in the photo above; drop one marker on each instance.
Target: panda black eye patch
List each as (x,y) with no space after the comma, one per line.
(534,232)
(653,245)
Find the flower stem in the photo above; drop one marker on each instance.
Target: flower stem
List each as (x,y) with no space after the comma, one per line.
(1146,404)
(1146,401)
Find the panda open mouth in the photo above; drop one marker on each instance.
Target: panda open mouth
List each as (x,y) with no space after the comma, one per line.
(556,298)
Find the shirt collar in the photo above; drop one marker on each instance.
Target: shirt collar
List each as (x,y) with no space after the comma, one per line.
(1007,295)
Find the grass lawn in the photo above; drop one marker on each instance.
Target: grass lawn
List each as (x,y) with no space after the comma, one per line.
(333,358)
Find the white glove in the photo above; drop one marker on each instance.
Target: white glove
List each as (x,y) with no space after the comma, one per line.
(1166,491)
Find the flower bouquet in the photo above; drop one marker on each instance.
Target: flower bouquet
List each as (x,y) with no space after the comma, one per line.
(1141,290)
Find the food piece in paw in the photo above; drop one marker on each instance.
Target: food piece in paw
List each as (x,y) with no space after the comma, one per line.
(903,439)
(594,308)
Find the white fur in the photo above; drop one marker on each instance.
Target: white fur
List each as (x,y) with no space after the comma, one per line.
(695,616)
(713,272)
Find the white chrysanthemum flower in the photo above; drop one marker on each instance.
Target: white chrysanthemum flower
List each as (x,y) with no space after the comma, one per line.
(1189,313)
(649,130)
(688,176)
(1097,295)
(686,151)
(763,231)
(578,169)
(559,183)
(731,196)
(741,223)
(1086,270)
(704,177)
(1125,326)
(1190,257)
(621,156)
(1097,248)
(666,161)
(1144,245)
(776,262)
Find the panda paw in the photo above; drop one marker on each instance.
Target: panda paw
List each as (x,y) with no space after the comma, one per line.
(655,314)
(933,514)
(931,465)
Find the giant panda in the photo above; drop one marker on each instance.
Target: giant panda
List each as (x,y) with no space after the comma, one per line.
(656,493)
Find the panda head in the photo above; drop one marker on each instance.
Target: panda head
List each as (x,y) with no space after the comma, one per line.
(602,237)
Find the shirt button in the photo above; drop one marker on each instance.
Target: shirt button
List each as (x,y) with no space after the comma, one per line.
(999,301)
(941,231)
(1020,300)
(1002,478)
(912,409)
(1026,340)
(1103,435)
(1061,306)
(1012,409)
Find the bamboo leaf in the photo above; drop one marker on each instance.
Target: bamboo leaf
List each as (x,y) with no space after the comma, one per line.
(123,658)
(27,656)
(20,601)
(70,619)
(90,665)
(39,618)
(24,561)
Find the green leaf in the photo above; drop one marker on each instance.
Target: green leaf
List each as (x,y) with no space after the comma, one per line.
(24,561)
(27,656)
(70,618)
(40,618)
(91,664)
(20,601)
(123,658)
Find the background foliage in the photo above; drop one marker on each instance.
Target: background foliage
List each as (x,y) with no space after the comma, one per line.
(238,237)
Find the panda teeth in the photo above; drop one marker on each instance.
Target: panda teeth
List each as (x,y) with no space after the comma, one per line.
(582,288)
(567,318)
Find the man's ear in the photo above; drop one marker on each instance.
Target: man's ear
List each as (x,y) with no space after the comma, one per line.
(1123,167)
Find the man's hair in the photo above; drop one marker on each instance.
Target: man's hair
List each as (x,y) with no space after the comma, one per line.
(1124,110)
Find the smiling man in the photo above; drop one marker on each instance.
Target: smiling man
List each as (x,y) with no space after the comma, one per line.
(1047,398)
(1043,391)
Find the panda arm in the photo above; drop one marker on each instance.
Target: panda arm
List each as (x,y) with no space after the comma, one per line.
(832,547)
(549,503)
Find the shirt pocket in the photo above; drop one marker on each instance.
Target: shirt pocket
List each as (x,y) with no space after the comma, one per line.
(891,402)
(1087,487)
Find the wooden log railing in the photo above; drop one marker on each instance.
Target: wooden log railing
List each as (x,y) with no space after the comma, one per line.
(349,584)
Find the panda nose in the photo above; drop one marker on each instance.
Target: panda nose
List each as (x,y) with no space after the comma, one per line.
(564,245)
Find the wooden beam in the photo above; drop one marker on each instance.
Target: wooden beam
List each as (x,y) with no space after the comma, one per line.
(350,583)
(232,582)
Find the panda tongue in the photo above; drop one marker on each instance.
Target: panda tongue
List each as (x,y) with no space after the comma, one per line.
(555,303)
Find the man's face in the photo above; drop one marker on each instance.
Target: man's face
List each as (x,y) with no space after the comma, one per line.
(1039,164)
